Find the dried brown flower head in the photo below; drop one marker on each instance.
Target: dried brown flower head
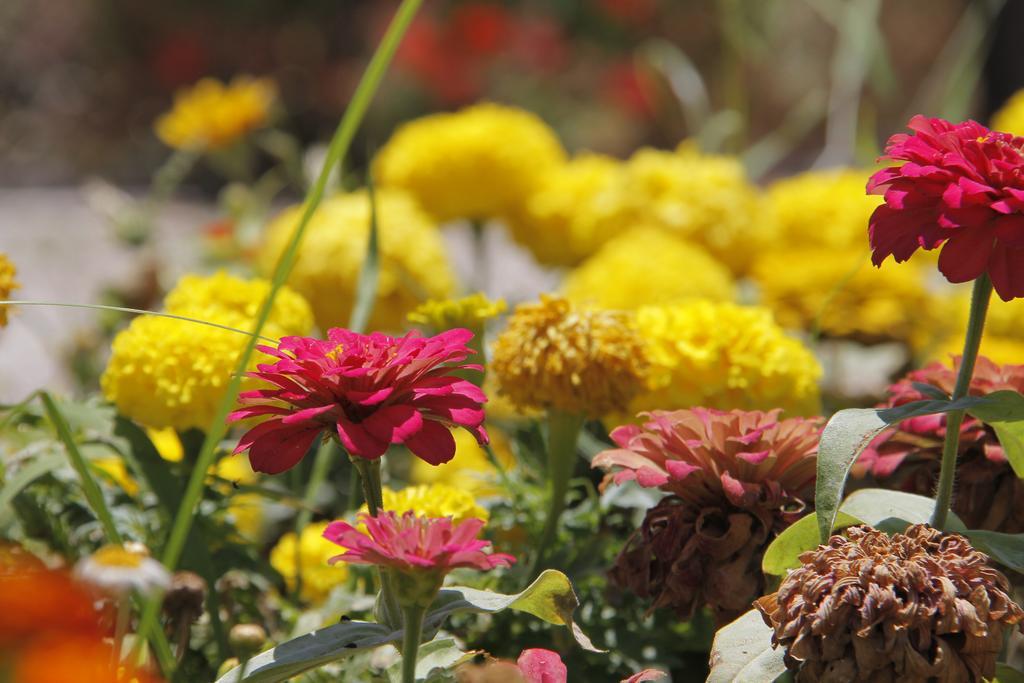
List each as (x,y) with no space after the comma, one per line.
(914,607)
(908,457)
(736,479)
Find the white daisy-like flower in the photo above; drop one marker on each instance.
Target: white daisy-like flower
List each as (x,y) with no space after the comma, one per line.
(119,569)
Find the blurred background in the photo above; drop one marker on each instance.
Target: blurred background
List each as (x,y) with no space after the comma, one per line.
(783,85)
(782,81)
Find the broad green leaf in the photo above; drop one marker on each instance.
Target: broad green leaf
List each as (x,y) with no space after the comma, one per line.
(848,433)
(784,552)
(874,507)
(311,650)
(549,598)
(1007,549)
(432,660)
(1011,438)
(743,652)
(999,406)
(25,475)
(931,391)
(1007,674)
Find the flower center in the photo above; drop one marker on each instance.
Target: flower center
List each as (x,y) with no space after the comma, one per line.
(116,556)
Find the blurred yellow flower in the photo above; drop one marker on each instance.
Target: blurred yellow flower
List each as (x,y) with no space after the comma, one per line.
(433,500)
(470,312)
(1010,117)
(413,262)
(244,510)
(475,163)
(576,208)
(704,198)
(113,468)
(552,356)
(1003,340)
(309,555)
(222,295)
(845,296)
(166,443)
(721,355)
(8,284)
(645,266)
(822,209)
(172,373)
(470,470)
(213,115)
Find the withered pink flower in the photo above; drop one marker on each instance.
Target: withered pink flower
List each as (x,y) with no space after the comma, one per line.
(542,666)
(915,607)
(735,480)
(908,457)
(370,390)
(421,549)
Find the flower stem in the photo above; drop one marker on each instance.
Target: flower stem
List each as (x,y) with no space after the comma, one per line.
(412,619)
(563,432)
(369,475)
(972,341)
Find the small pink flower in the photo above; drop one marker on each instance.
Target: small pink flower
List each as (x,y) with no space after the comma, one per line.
(411,544)
(542,666)
(372,390)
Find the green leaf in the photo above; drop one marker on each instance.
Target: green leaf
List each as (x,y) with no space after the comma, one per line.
(742,652)
(999,406)
(848,433)
(784,552)
(874,507)
(1007,549)
(1007,674)
(311,650)
(432,660)
(366,288)
(25,475)
(931,391)
(1011,438)
(549,598)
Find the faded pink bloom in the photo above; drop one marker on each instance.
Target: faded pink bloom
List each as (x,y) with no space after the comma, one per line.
(371,390)
(645,675)
(959,186)
(411,544)
(542,666)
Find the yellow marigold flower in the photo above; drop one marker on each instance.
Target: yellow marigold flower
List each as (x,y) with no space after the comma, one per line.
(236,469)
(413,261)
(213,115)
(470,470)
(842,293)
(647,266)
(224,294)
(576,208)
(172,373)
(1003,341)
(433,500)
(704,198)
(553,356)
(822,208)
(309,553)
(475,163)
(721,355)
(7,284)
(1010,117)
(167,443)
(470,312)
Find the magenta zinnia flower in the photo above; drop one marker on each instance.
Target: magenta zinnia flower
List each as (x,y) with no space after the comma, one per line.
(412,544)
(371,390)
(961,186)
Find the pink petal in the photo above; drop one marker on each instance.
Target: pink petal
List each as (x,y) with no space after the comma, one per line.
(278,450)
(542,666)
(395,423)
(359,441)
(433,443)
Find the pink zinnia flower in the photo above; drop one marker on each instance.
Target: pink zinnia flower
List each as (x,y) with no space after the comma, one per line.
(372,390)
(411,544)
(961,185)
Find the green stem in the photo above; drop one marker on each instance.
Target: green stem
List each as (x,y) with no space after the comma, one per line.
(412,618)
(972,341)
(563,433)
(369,475)
(124,612)
(354,115)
